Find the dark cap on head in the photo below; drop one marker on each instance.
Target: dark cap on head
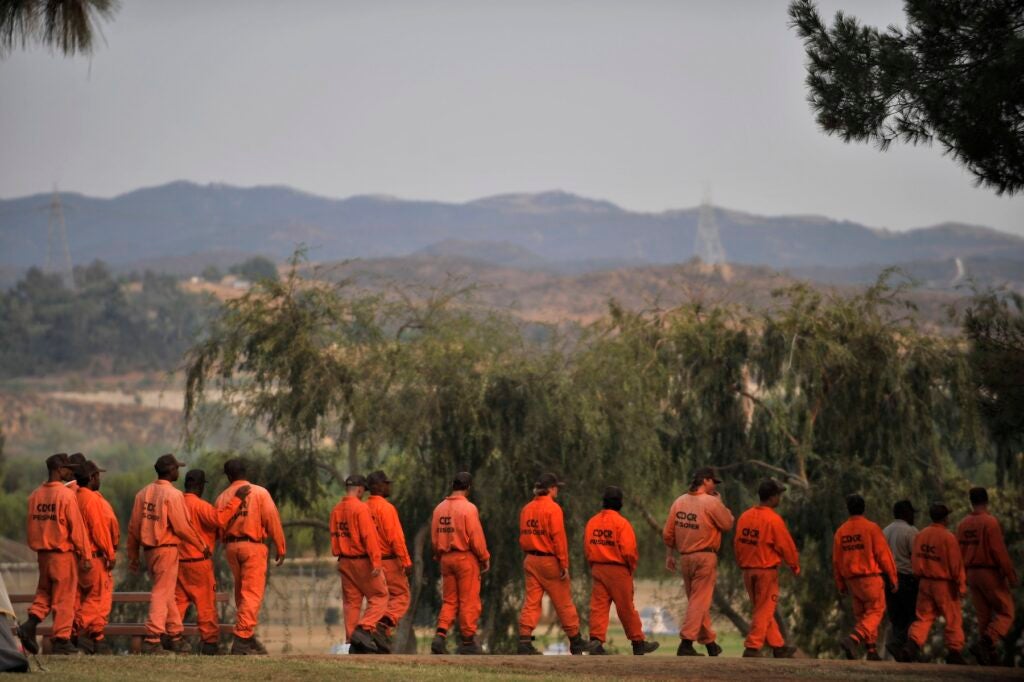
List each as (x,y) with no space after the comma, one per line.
(769,488)
(165,463)
(978,496)
(612,492)
(462,481)
(938,512)
(855,504)
(90,468)
(902,509)
(377,478)
(195,478)
(704,473)
(355,480)
(78,459)
(548,480)
(54,462)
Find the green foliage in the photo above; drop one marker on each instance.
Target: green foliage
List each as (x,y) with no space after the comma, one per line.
(955,74)
(65,25)
(102,325)
(255,269)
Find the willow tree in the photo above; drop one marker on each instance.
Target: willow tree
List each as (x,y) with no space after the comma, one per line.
(69,26)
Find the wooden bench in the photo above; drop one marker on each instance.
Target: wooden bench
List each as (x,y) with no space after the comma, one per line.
(137,631)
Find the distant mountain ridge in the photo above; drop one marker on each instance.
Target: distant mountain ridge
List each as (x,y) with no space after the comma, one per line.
(184,220)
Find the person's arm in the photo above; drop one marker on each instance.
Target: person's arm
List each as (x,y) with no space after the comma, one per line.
(272,526)
(785,545)
(134,538)
(1002,557)
(435,534)
(99,530)
(956,564)
(368,534)
(397,535)
(181,524)
(837,568)
(668,536)
(221,517)
(627,546)
(884,557)
(720,515)
(477,541)
(78,532)
(556,529)
(332,524)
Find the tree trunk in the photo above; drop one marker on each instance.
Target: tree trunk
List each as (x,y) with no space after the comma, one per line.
(405,636)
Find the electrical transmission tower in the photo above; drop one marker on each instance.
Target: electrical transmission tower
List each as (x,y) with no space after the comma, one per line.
(709,244)
(58,256)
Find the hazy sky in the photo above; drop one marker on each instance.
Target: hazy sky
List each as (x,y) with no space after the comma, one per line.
(641,103)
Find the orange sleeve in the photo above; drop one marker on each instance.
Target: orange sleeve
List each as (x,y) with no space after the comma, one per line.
(177,514)
(556,530)
(395,532)
(99,529)
(333,526)
(883,554)
(721,516)
(1002,557)
(837,570)
(957,573)
(477,541)
(784,543)
(668,533)
(272,522)
(627,546)
(134,524)
(368,534)
(219,518)
(76,524)
(435,530)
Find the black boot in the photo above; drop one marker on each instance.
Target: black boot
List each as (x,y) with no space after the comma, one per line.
(713,649)
(526,647)
(984,651)
(242,646)
(210,649)
(751,653)
(596,647)
(439,646)
(27,634)
(577,645)
(955,657)
(872,653)
(364,639)
(644,647)
(911,652)
(783,651)
(62,647)
(850,647)
(686,648)
(469,647)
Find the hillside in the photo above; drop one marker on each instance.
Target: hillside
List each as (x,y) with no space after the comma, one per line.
(175,224)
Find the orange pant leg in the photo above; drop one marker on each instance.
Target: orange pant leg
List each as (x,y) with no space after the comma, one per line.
(357,582)
(924,613)
(56,591)
(398,590)
(763,587)
(618,583)
(467,576)
(953,613)
(90,616)
(163,615)
(248,562)
(700,571)
(197,585)
(868,606)
(993,602)
(542,575)
(600,604)
(106,603)
(449,593)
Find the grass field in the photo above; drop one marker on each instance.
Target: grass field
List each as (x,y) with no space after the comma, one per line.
(495,668)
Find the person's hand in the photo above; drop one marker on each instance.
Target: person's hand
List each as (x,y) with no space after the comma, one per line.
(206,552)
(408,571)
(670,563)
(796,570)
(243,492)
(279,559)
(85,565)
(564,575)
(485,566)
(376,572)
(133,565)
(110,564)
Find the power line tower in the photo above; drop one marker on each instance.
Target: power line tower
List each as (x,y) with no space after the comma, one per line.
(708,245)
(58,256)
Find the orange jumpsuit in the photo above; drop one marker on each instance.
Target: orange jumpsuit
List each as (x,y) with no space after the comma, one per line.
(244,536)
(354,541)
(394,556)
(57,532)
(95,587)
(990,573)
(542,537)
(610,548)
(860,559)
(159,523)
(761,544)
(196,581)
(107,599)
(940,568)
(458,542)
(694,528)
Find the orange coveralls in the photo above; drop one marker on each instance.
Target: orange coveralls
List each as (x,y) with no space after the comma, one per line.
(610,548)
(990,573)
(939,566)
(860,557)
(95,587)
(159,523)
(354,541)
(694,528)
(458,543)
(542,537)
(57,532)
(196,581)
(244,535)
(762,542)
(394,557)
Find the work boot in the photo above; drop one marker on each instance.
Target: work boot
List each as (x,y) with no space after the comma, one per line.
(154,648)
(686,648)
(955,657)
(911,652)
(362,637)
(751,653)
(62,647)
(439,645)
(577,645)
(850,646)
(872,653)
(526,647)
(381,640)
(180,645)
(894,650)
(27,634)
(644,647)
(165,642)
(101,647)
(595,647)
(983,651)
(713,649)
(242,646)
(470,647)
(257,646)
(87,645)
(210,649)
(783,651)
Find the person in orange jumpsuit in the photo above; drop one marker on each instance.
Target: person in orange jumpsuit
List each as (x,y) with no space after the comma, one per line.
(245,535)
(196,581)
(762,543)
(110,518)
(990,575)
(394,557)
(609,545)
(95,587)
(58,534)
(693,532)
(542,538)
(158,524)
(354,541)
(939,566)
(861,564)
(458,543)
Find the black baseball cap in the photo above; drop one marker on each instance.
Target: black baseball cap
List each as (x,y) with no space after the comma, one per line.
(90,468)
(58,461)
(938,511)
(612,492)
(706,472)
(195,477)
(462,481)
(902,508)
(355,480)
(165,463)
(77,459)
(376,478)
(548,480)
(770,488)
